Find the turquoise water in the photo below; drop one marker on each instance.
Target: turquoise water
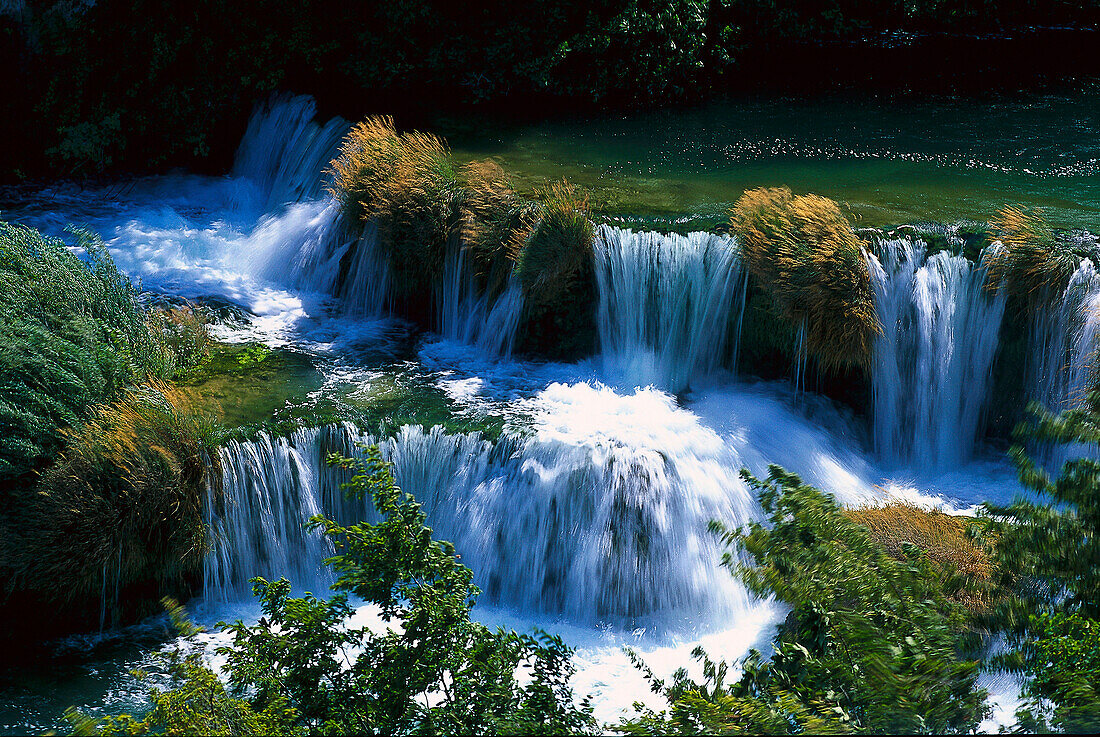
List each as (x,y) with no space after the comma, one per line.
(891,161)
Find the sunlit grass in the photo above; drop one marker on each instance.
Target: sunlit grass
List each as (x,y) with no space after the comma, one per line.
(803,251)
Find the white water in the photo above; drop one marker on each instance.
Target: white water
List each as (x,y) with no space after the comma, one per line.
(933,361)
(1065,337)
(285,151)
(589,515)
(667,305)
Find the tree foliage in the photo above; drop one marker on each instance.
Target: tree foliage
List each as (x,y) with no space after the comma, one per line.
(1046,555)
(872,644)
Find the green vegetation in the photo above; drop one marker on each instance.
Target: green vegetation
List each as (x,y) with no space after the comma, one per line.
(1033,262)
(555,265)
(804,253)
(873,643)
(495,222)
(1046,555)
(71,335)
(138,94)
(301,670)
(102,465)
(407,185)
(120,511)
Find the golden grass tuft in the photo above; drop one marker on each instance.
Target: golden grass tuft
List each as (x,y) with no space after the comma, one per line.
(1032,262)
(803,251)
(495,222)
(122,505)
(366,156)
(407,185)
(558,251)
(942,538)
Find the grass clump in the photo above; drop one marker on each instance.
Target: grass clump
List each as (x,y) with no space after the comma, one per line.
(495,222)
(73,334)
(555,265)
(559,249)
(407,184)
(803,251)
(1032,262)
(903,529)
(118,518)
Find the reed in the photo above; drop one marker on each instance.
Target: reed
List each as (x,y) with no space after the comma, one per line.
(407,184)
(558,252)
(804,253)
(1032,263)
(495,221)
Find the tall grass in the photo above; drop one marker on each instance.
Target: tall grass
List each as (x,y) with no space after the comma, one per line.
(495,221)
(1033,263)
(558,252)
(121,507)
(902,529)
(72,334)
(407,184)
(804,253)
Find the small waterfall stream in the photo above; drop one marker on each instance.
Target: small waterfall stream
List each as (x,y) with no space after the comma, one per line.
(285,150)
(933,362)
(1065,337)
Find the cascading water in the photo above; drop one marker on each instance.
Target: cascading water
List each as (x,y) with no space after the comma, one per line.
(934,359)
(590,515)
(1064,340)
(469,315)
(285,150)
(666,307)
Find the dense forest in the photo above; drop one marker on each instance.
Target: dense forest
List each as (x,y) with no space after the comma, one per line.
(145,85)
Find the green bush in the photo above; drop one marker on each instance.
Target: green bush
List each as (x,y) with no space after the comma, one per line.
(1045,556)
(555,265)
(804,253)
(71,334)
(118,519)
(872,644)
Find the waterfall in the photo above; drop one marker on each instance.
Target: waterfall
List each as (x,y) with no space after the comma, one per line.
(934,359)
(588,516)
(1065,336)
(284,150)
(665,305)
(469,315)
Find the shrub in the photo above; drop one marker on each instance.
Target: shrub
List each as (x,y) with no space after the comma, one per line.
(407,185)
(902,529)
(71,334)
(805,254)
(121,508)
(872,644)
(1032,263)
(558,251)
(495,222)
(555,265)
(1045,566)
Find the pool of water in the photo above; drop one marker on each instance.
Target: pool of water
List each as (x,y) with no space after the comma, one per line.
(891,161)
